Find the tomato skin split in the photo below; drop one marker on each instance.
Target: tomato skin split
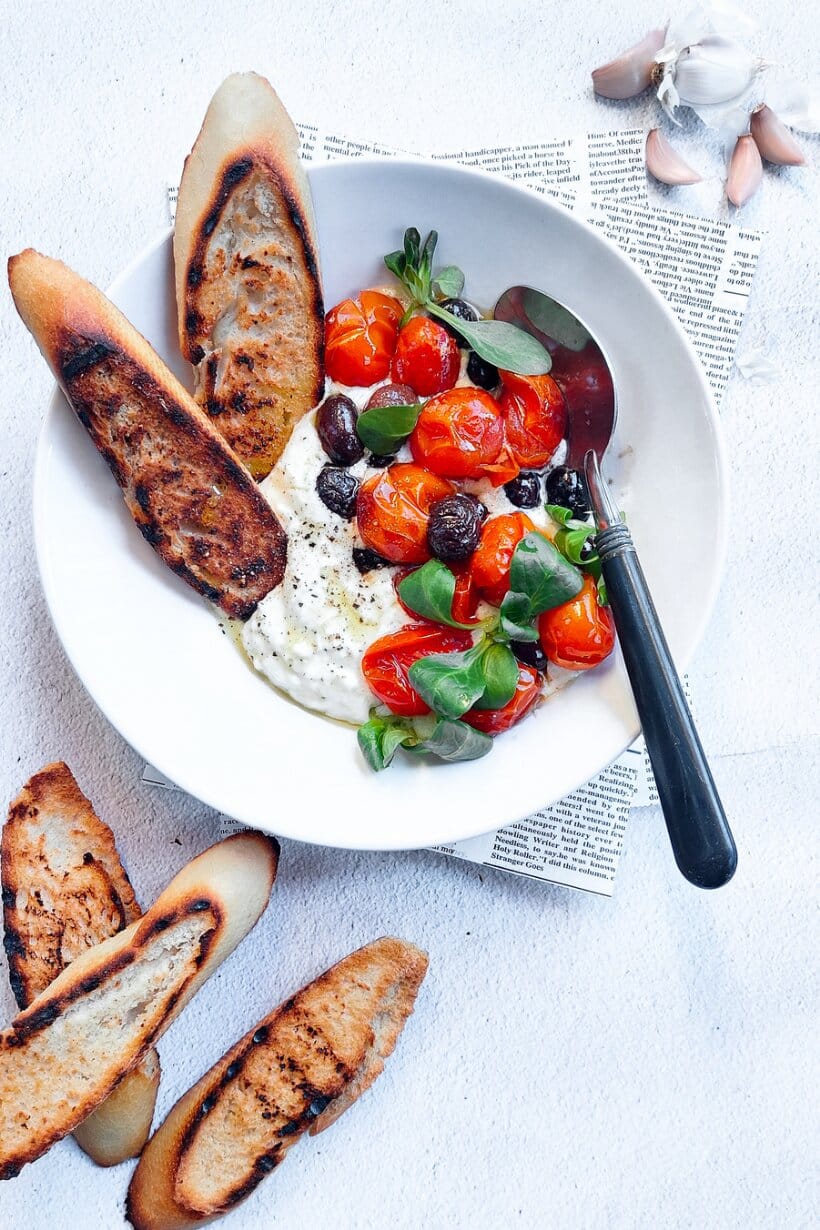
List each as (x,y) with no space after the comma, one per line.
(535,418)
(426,357)
(360,338)
(393,509)
(458,433)
(580,633)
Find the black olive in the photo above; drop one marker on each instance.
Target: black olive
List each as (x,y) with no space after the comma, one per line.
(531,653)
(587,550)
(392,395)
(338,490)
(462,310)
(380,461)
(454,527)
(524,491)
(336,428)
(366,560)
(569,489)
(481,372)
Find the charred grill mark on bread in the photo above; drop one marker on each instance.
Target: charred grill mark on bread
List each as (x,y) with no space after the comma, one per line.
(249,299)
(69,1051)
(191,497)
(297,1070)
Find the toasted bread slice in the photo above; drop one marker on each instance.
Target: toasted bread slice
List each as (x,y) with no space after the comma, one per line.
(64,890)
(249,297)
(297,1070)
(191,498)
(67,1051)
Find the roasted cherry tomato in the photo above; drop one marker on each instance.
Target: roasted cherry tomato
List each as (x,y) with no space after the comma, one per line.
(465,598)
(393,508)
(427,357)
(458,433)
(579,633)
(535,418)
(360,338)
(386,663)
(494,721)
(490,564)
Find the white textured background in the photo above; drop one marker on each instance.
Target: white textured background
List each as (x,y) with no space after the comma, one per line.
(573,1062)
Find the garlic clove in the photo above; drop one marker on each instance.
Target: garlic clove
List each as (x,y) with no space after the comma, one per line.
(631,72)
(714,70)
(745,170)
(773,139)
(665,163)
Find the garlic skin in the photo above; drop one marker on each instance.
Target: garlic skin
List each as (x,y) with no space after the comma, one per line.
(665,163)
(745,171)
(631,72)
(715,70)
(773,139)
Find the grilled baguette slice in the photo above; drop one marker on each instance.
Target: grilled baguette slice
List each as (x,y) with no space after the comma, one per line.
(187,491)
(249,297)
(296,1071)
(66,1052)
(64,890)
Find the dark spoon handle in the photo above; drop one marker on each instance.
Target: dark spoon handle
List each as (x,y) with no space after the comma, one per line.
(698,830)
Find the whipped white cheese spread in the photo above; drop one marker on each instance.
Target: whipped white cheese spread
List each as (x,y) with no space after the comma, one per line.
(309,634)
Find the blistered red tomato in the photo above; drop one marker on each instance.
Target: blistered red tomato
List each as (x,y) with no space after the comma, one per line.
(490,564)
(458,433)
(427,357)
(496,721)
(393,508)
(579,633)
(387,662)
(535,418)
(360,338)
(465,598)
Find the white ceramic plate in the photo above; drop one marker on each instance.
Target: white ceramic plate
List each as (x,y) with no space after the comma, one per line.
(152,655)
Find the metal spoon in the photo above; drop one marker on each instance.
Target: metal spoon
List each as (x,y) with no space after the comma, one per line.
(701,840)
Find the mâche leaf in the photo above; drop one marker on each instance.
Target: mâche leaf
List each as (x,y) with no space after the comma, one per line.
(516,618)
(504,345)
(571,544)
(385,428)
(396,262)
(450,683)
(449,282)
(381,737)
(456,741)
(429,591)
(540,572)
(500,669)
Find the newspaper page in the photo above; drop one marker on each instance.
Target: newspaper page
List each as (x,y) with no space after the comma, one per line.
(704,269)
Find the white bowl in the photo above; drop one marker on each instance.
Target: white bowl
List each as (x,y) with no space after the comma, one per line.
(152,655)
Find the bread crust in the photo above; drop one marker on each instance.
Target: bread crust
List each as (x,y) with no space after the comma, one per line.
(304,1063)
(64,889)
(67,1051)
(188,492)
(249,296)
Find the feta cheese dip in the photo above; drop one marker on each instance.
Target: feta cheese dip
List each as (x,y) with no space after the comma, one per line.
(309,634)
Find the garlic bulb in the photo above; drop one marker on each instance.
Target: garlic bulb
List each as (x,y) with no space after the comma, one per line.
(745,171)
(773,139)
(714,70)
(630,72)
(665,163)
